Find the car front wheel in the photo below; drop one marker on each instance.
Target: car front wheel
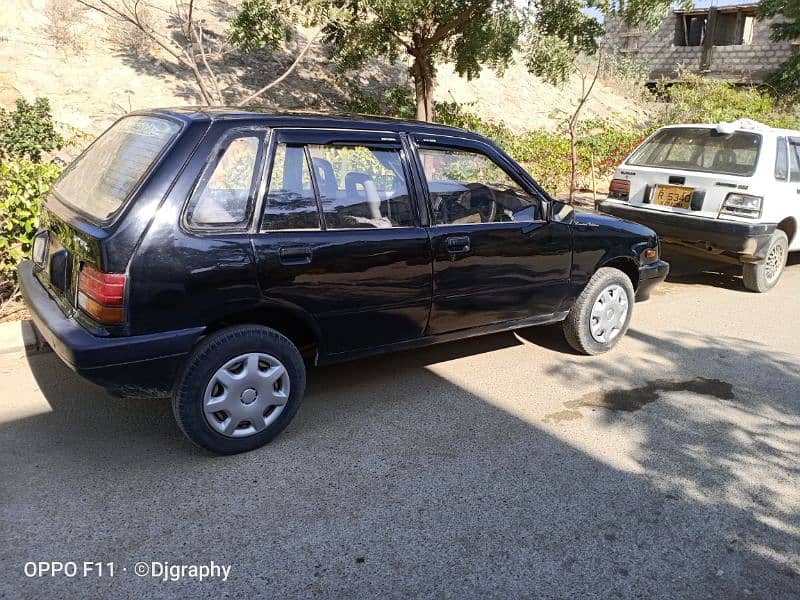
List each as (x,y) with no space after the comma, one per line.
(239,389)
(601,314)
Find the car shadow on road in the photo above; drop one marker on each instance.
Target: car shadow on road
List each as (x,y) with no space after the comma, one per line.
(396,480)
(691,269)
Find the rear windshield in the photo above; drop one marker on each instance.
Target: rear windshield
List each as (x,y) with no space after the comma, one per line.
(700,149)
(100,180)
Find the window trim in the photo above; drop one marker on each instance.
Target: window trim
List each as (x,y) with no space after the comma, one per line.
(207,170)
(432,143)
(305,137)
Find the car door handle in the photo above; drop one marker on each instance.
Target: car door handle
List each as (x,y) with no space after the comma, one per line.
(458,244)
(296,255)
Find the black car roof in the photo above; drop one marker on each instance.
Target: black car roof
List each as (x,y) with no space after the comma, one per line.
(310,119)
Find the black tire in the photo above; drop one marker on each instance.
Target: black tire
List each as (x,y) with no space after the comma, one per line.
(207,358)
(577,325)
(762,276)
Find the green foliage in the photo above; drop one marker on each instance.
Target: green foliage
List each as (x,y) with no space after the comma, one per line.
(28,131)
(259,24)
(23,184)
(696,99)
(25,134)
(467,33)
(785,81)
(550,58)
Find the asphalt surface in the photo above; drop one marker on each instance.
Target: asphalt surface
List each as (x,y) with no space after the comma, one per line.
(504,466)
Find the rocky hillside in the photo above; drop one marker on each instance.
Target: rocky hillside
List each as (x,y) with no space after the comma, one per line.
(93,71)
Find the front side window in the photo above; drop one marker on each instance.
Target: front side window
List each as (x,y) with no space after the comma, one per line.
(290,201)
(361,187)
(700,149)
(226,189)
(101,179)
(467,187)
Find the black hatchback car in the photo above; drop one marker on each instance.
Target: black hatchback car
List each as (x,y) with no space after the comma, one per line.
(211,254)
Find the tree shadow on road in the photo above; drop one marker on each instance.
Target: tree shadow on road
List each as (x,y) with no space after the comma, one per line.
(396,481)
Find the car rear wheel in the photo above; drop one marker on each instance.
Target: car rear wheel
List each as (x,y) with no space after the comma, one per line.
(762,276)
(601,314)
(239,389)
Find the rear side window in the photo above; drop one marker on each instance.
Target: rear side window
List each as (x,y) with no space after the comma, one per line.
(101,179)
(781,160)
(794,162)
(467,187)
(226,189)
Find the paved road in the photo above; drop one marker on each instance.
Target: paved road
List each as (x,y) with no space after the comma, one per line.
(504,466)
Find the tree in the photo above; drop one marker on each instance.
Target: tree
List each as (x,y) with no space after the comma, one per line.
(786,79)
(468,33)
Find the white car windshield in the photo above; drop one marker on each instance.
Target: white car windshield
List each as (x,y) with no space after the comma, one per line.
(700,149)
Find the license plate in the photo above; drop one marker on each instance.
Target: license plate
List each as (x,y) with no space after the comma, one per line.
(673,195)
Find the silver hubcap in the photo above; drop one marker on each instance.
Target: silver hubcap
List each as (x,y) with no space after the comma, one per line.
(774,263)
(609,313)
(246,394)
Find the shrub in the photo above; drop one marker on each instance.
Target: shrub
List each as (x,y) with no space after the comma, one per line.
(63,17)
(23,184)
(28,131)
(696,99)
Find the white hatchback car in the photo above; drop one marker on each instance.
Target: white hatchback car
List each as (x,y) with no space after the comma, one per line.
(731,189)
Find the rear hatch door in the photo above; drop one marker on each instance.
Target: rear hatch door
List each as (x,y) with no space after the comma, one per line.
(80,214)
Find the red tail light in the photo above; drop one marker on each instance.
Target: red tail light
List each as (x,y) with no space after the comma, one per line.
(619,188)
(101,295)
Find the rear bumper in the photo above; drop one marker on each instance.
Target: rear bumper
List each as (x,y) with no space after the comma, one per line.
(747,240)
(649,277)
(142,365)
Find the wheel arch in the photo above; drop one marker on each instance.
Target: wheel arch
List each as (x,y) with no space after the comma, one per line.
(789,227)
(291,321)
(625,264)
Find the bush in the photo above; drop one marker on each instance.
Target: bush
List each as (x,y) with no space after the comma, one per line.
(696,99)
(23,184)
(28,131)
(25,135)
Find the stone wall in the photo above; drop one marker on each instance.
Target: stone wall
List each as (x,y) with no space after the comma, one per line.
(741,63)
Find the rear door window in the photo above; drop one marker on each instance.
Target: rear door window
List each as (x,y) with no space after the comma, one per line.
(290,201)
(360,187)
(104,176)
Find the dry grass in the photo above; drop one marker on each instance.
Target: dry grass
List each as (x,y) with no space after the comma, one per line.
(63,20)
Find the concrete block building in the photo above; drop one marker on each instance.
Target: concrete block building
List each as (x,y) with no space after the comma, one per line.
(725,42)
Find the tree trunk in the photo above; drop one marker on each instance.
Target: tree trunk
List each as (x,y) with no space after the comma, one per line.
(422,71)
(573,143)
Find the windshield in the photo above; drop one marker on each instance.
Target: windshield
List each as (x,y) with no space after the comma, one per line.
(100,180)
(700,149)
